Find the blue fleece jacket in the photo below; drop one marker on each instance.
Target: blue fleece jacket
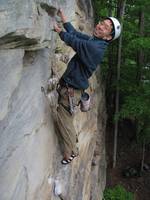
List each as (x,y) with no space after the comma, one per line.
(89,53)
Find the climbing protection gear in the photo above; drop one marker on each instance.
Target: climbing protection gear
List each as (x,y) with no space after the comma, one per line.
(71,96)
(84,101)
(116,27)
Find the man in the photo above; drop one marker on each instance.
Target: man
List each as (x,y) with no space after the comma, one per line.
(89,53)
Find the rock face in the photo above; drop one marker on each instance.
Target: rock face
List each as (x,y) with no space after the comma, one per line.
(30,154)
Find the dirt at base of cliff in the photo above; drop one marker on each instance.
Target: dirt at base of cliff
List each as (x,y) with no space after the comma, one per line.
(128,157)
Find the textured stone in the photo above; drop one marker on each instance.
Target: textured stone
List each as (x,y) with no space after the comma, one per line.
(25,130)
(26,24)
(9,82)
(30,153)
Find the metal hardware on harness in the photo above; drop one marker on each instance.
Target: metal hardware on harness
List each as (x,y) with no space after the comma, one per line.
(70,94)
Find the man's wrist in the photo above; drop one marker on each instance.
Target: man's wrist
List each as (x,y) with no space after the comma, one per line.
(59,31)
(64,19)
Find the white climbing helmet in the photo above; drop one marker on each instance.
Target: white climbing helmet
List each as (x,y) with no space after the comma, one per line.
(116,26)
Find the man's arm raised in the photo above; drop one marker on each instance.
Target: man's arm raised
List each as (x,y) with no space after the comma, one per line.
(69,28)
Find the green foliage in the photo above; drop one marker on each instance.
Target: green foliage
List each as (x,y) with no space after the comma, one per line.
(97,6)
(136,108)
(117,193)
(134,82)
(140,43)
(100,9)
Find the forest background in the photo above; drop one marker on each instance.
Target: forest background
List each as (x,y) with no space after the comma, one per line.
(126,74)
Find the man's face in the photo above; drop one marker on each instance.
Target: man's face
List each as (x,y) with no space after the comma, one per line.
(103,29)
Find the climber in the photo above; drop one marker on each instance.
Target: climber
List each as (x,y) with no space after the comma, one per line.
(89,53)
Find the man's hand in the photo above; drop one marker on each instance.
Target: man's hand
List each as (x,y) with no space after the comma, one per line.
(57,28)
(61,14)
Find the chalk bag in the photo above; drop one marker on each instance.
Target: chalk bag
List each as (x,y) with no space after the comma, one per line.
(85,102)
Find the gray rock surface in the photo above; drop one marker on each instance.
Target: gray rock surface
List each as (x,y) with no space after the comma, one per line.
(30,153)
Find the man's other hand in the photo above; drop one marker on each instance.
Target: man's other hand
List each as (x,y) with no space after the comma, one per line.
(61,14)
(57,28)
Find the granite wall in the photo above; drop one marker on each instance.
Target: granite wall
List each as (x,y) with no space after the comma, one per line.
(30,154)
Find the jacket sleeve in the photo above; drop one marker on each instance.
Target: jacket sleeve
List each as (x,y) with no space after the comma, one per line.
(86,50)
(70,29)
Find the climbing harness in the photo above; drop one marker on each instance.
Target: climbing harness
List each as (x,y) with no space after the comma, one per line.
(52,92)
(70,96)
(84,102)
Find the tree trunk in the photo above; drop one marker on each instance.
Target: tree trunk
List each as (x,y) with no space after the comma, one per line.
(121,9)
(110,73)
(143,156)
(140,54)
(140,64)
